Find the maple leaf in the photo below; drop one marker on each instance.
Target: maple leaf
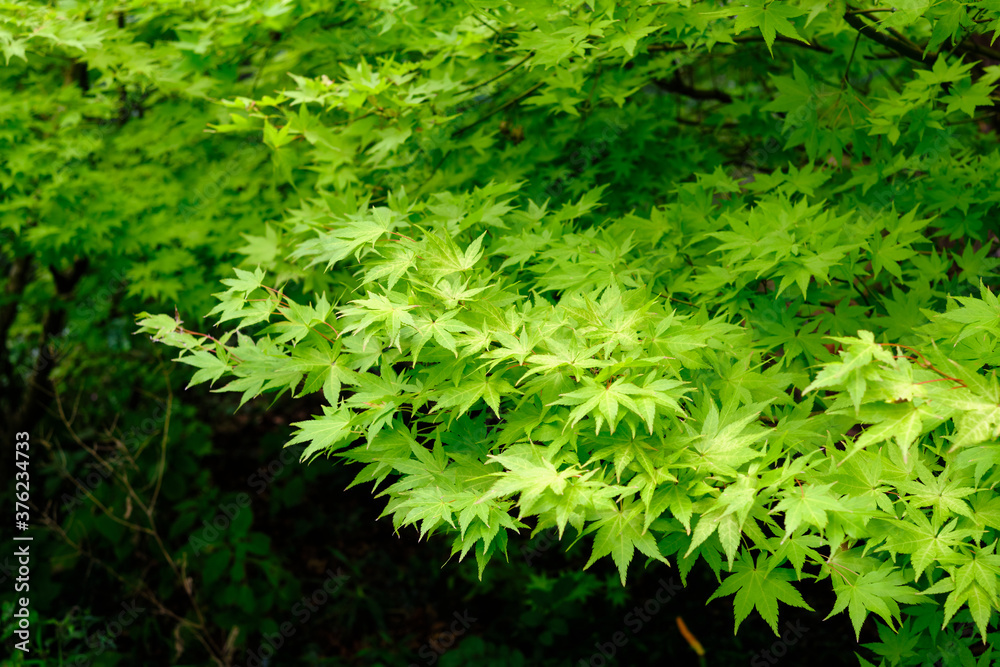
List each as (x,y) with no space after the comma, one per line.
(325,371)
(607,399)
(328,433)
(771,17)
(301,320)
(809,505)
(245,281)
(924,542)
(632,31)
(878,591)
(528,473)
(725,438)
(348,239)
(620,533)
(391,309)
(852,371)
(975,584)
(938,491)
(759,586)
(976,314)
(489,387)
(211,366)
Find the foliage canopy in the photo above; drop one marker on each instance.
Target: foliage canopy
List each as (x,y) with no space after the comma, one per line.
(693,280)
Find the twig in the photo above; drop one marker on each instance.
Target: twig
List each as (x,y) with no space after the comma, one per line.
(501,74)
(868,31)
(742,40)
(500,108)
(163,445)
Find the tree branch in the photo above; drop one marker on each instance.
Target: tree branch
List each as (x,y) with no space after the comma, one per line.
(858,23)
(742,40)
(675,85)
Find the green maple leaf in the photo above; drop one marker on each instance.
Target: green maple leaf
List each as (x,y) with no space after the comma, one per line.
(325,371)
(904,429)
(634,29)
(797,549)
(440,329)
(725,438)
(887,253)
(605,399)
(429,505)
(519,348)
(260,249)
(966,96)
(327,433)
(577,358)
(349,238)
(975,585)
(14,48)
(976,314)
(879,591)
(491,388)
(391,310)
(940,492)
(620,533)
(210,365)
(708,524)
(245,281)
(390,450)
(808,505)
(528,473)
(301,320)
(675,498)
(772,19)
(852,371)
(759,587)
(924,542)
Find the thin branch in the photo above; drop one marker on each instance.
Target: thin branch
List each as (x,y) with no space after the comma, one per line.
(501,74)
(742,40)
(497,110)
(152,530)
(163,445)
(870,11)
(487,25)
(677,86)
(870,32)
(850,61)
(142,587)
